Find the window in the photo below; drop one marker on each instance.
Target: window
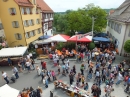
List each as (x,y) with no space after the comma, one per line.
(12,11)
(46,16)
(45,27)
(1,26)
(15,24)
(26,24)
(37,21)
(24,10)
(31,23)
(27,35)
(18,36)
(37,11)
(39,31)
(120,27)
(33,33)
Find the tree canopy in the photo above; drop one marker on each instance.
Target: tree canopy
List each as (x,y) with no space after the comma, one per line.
(81,20)
(127,46)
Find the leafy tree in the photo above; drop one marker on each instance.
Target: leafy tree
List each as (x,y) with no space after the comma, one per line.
(127,46)
(91,46)
(81,20)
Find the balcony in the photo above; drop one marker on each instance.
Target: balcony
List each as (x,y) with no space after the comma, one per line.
(51,18)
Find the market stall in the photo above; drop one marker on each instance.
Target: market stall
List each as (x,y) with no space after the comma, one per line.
(13,53)
(55,38)
(80,38)
(101,39)
(7,91)
(72,91)
(86,39)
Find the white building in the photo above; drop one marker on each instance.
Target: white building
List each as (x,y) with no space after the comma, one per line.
(47,17)
(118,26)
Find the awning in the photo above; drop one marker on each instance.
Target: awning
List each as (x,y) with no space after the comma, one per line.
(86,39)
(101,39)
(101,35)
(7,91)
(44,37)
(13,52)
(76,38)
(59,38)
(73,38)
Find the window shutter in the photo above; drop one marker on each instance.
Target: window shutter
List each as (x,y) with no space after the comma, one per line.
(17,24)
(14,10)
(29,22)
(31,34)
(13,24)
(16,36)
(27,11)
(10,12)
(20,36)
(36,21)
(26,35)
(22,10)
(25,24)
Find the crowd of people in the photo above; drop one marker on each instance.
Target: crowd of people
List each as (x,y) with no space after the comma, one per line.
(98,63)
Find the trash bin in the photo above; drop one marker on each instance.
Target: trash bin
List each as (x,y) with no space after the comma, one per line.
(51,94)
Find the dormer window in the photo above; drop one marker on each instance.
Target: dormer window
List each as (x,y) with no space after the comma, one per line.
(37,11)
(12,11)
(24,10)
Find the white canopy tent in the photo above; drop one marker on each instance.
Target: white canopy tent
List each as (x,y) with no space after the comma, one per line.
(55,38)
(12,52)
(7,91)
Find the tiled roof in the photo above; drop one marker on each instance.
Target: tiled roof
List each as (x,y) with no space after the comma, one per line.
(111,12)
(122,13)
(24,3)
(44,6)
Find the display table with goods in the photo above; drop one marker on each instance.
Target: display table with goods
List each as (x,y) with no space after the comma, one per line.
(71,90)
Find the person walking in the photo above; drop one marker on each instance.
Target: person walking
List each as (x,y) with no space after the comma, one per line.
(86,86)
(20,67)
(15,71)
(28,64)
(82,69)
(5,77)
(44,65)
(74,69)
(71,77)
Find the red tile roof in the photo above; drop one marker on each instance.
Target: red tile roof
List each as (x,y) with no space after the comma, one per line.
(111,12)
(24,3)
(44,6)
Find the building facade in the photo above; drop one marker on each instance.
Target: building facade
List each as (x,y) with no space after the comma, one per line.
(2,33)
(21,21)
(47,17)
(118,26)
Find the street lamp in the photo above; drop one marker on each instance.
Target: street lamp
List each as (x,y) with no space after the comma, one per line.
(76,40)
(92,25)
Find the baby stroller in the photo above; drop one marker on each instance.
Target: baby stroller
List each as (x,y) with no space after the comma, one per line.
(13,79)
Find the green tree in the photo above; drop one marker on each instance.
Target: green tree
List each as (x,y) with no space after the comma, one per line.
(81,20)
(127,46)
(91,46)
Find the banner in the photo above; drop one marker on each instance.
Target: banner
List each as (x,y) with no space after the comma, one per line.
(83,35)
